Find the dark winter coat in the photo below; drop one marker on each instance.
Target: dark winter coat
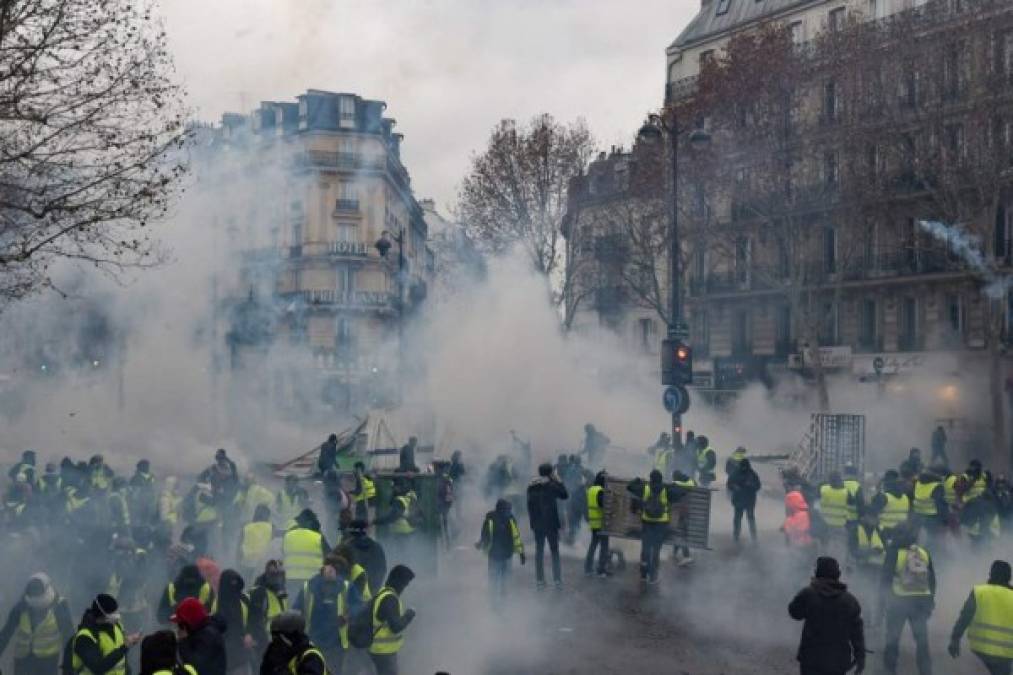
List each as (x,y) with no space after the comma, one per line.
(833,637)
(204,649)
(743,484)
(543,514)
(370,555)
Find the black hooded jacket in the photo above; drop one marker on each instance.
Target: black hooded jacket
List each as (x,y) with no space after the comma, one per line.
(204,648)
(370,555)
(543,514)
(833,637)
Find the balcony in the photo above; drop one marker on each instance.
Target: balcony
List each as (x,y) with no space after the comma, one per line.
(346,206)
(340,160)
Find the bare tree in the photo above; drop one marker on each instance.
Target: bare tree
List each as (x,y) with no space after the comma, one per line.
(90,128)
(515,191)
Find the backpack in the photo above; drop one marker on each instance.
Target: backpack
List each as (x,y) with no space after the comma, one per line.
(653,508)
(915,574)
(360,625)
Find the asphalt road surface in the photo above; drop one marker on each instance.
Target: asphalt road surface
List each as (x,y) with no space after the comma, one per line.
(726,614)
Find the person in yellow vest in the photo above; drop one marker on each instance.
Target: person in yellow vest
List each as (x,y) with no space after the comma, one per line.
(119,506)
(706,461)
(39,624)
(833,504)
(929,510)
(291,652)
(268,599)
(655,500)
(324,604)
(977,481)
(160,655)
(303,549)
(987,617)
(358,575)
(908,585)
(401,519)
(892,504)
(168,504)
(255,542)
(252,494)
(291,501)
(100,646)
(856,500)
(189,583)
(364,493)
(100,476)
(732,463)
(500,539)
(390,620)
(596,521)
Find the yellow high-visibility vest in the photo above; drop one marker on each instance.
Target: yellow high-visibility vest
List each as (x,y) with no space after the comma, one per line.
(595,513)
(834,505)
(663,496)
(852,486)
(950,488)
(924,504)
(256,543)
(293,665)
(872,543)
(896,510)
(368,490)
(357,572)
(898,586)
(991,631)
(303,552)
(975,489)
(203,595)
(385,641)
(341,608)
(42,640)
(107,644)
(403,525)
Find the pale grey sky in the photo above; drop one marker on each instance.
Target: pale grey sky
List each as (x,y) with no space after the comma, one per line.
(448,69)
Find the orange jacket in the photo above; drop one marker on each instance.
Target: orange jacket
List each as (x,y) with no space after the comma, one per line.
(796,522)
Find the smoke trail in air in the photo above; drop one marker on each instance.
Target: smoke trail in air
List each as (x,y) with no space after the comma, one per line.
(968,247)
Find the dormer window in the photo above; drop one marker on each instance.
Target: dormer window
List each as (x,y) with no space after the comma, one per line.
(346,112)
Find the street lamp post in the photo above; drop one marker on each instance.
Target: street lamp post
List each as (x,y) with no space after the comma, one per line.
(383,245)
(677,330)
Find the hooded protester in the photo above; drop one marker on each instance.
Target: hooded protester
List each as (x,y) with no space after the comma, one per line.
(291,652)
(543,517)
(99,646)
(743,484)
(268,599)
(201,644)
(366,552)
(189,583)
(232,610)
(40,625)
(390,619)
(988,612)
(833,637)
(797,526)
(500,539)
(159,655)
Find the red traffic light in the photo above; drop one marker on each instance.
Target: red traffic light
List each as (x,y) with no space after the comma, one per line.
(682,353)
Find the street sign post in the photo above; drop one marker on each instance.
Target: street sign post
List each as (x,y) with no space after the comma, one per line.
(676,399)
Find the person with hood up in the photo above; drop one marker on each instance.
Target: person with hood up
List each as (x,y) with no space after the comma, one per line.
(40,625)
(366,552)
(232,611)
(189,583)
(500,539)
(159,655)
(291,652)
(303,548)
(797,526)
(99,646)
(988,612)
(595,513)
(268,599)
(743,485)
(390,620)
(654,500)
(543,517)
(201,644)
(833,636)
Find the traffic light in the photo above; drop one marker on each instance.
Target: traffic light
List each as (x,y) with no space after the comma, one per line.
(676,363)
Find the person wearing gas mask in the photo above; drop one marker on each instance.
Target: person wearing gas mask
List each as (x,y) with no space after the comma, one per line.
(39,624)
(100,646)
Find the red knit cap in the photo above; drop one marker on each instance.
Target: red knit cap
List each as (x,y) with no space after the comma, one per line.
(190,614)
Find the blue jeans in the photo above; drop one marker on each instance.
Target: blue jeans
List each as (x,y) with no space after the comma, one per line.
(499,575)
